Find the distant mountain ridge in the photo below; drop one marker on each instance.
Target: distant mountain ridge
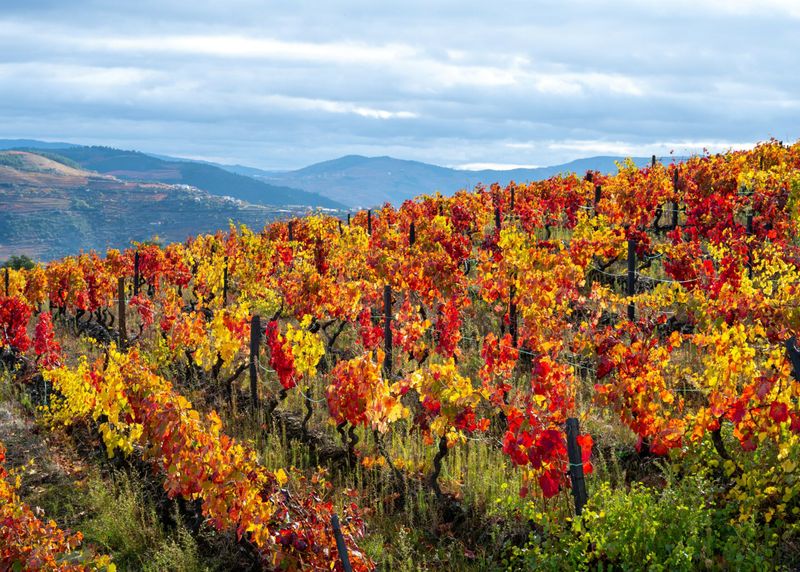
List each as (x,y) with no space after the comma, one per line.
(137,166)
(354,181)
(361,181)
(33,144)
(51,209)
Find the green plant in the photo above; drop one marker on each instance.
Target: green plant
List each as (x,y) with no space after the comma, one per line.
(18,262)
(644,529)
(123,523)
(179,553)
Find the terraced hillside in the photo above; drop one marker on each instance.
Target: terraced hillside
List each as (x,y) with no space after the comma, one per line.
(51,209)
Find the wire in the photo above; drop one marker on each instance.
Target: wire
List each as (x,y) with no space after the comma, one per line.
(310,399)
(613,275)
(667,280)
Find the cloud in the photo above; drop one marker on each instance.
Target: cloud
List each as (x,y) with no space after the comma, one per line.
(281,85)
(308,104)
(680,148)
(752,7)
(243,47)
(492,166)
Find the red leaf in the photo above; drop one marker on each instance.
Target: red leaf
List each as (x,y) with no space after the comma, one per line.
(779,412)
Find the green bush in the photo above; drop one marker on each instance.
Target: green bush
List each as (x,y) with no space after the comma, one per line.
(644,529)
(125,524)
(18,262)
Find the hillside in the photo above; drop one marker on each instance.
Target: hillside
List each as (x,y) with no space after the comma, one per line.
(538,383)
(361,181)
(33,144)
(352,181)
(51,209)
(136,166)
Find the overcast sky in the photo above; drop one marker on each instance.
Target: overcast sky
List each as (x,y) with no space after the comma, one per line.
(458,83)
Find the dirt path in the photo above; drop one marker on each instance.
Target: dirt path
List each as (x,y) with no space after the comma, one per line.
(46,464)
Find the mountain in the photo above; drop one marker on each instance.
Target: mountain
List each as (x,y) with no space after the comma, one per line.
(353,180)
(32,144)
(369,181)
(52,208)
(136,166)
(238,169)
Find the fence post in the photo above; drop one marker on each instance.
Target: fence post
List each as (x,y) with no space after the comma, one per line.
(255,342)
(387,331)
(598,191)
(512,315)
(576,465)
(225,283)
(369,222)
(675,202)
(123,332)
(136,273)
(749,230)
(631,277)
(412,234)
(341,547)
(794,356)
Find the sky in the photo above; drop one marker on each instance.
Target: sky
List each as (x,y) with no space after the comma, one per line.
(280,85)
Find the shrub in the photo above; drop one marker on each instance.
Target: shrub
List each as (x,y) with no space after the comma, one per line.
(644,529)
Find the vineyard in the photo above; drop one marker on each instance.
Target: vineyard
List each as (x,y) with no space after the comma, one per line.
(591,371)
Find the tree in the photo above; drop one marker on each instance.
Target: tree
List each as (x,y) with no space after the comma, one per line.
(18,262)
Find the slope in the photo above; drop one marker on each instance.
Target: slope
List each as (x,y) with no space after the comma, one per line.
(136,166)
(51,209)
(367,181)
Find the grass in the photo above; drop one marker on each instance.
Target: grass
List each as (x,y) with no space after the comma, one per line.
(118,516)
(120,511)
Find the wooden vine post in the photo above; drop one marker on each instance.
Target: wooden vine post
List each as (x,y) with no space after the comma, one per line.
(630,290)
(7,280)
(675,202)
(513,326)
(794,356)
(576,465)
(598,192)
(255,342)
(369,222)
(341,547)
(412,234)
(291,230)
(136,273)
(225,283)
(749,230)
(387,331)
(123,332)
